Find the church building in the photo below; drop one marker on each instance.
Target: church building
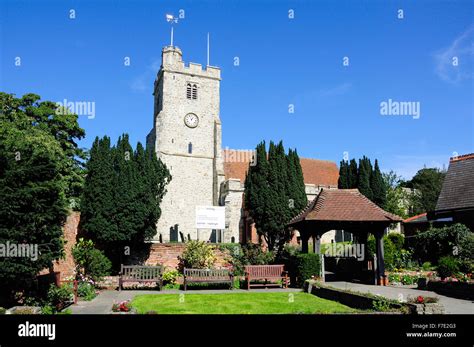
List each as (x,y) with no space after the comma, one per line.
(187,137)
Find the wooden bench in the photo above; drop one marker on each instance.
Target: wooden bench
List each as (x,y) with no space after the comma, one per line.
(208,276)
(267,273)
(141,274)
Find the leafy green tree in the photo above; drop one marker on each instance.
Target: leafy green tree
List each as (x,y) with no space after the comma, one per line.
(90,262)
(378,187)
(427,183)
(40,176)
(28,111)
(33,204)
(397,199)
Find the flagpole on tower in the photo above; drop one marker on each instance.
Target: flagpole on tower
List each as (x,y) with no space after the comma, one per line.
(207,49)
(171,19)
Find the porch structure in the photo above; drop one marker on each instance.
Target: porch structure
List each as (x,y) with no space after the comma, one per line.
(348,210)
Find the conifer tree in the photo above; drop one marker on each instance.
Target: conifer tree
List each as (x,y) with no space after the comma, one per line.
(343,182)
(379,189)
(365,171)
(353,174)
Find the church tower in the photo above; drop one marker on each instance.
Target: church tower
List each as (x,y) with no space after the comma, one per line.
(187,138)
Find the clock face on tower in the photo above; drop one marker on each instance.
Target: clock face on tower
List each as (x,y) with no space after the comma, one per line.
(191,120)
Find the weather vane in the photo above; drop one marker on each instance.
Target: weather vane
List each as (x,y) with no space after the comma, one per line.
(171,19)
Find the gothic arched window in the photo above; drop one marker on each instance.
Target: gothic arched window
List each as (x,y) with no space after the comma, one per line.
(190,148)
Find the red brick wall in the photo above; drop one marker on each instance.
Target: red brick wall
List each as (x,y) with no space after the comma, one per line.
(66,266)
(167,254)
(161,253)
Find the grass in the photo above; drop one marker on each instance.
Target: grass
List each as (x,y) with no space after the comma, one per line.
(239,303)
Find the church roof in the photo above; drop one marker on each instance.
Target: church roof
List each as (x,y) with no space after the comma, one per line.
(458,186)
(343,205)
(315,171)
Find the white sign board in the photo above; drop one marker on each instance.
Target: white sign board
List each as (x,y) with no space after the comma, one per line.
(210,217)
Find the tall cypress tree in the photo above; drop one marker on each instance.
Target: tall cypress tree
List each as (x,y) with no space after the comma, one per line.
(378,187)
(353,174)
(343,182)
(298,192)
(365,171)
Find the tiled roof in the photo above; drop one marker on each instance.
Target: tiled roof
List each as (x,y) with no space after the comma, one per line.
(458,186)
(344,205)
(318,172)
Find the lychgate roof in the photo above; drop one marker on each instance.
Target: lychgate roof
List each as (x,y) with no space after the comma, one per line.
(344,205)
(458,186)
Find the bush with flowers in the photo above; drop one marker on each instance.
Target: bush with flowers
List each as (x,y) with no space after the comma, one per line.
(123,306)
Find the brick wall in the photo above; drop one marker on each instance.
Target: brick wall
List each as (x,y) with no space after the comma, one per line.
(167,254)
(66,266)
(160,253)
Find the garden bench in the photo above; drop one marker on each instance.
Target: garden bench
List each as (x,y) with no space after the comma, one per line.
(266,273)
(208,276)
(141,274)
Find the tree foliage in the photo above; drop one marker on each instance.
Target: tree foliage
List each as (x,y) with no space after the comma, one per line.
(122,195)
(427,184)
(274,193)
(39,176)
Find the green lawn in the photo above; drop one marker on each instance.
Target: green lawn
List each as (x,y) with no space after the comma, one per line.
(241,303)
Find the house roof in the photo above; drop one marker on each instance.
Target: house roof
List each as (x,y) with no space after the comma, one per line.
(315,171)
(417,219)
(458,186)
(343,205)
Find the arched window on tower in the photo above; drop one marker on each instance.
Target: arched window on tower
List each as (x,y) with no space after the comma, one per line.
(188,91)
(195,92)
(190,148)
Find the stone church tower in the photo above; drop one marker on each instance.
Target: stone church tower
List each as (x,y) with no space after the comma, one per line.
(187,137)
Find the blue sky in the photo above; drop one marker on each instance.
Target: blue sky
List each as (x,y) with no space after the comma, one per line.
(283,61)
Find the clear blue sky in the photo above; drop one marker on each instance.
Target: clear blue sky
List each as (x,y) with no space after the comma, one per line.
(282,61)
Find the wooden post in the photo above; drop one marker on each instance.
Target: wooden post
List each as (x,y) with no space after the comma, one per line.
(304,242)
(317,244)
(380,258)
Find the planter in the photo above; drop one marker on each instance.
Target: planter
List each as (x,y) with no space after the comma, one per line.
(24,310)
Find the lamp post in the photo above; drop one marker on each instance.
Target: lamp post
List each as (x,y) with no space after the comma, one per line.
(171,19)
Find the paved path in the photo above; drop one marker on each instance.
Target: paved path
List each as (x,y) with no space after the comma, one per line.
(102,304)
(451,305)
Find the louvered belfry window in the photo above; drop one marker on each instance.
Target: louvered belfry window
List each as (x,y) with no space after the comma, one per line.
(189,91)
(195,92)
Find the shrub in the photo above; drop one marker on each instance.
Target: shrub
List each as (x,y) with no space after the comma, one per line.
(197,255)
(381,305)
(86,291)
(440,242)
(90,261)
(426,266)
(2,310)
(308,265)
(397,239)
(250,254)
(58,297)
(170,277)
(466,266)
(388,248)
(123,306)
(447,266)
